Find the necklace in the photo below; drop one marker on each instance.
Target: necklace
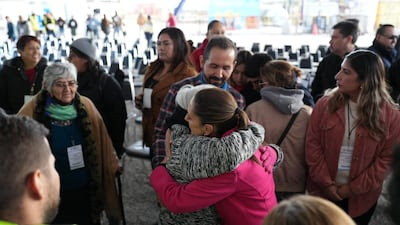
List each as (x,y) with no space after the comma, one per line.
(349,130)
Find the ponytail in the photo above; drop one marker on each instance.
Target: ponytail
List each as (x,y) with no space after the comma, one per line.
(242,119)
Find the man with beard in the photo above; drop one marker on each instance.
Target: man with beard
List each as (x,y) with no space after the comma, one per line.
(30,185)
(218,63)
(343,39)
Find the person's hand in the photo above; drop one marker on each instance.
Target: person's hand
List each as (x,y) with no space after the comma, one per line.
(139,101)
(332,192)
(120,170)
(344,191)
(268,158)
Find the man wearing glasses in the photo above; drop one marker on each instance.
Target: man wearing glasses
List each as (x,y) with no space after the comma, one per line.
(384,43)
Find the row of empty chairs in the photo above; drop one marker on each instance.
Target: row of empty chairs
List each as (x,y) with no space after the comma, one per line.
(301,57)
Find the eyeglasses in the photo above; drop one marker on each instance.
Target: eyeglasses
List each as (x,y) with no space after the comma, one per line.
(392,37)
(70,84)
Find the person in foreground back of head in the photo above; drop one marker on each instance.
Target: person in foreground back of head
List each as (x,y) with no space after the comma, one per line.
(307,210)
(85,157)
(30,185)
(351,135)
(215,165)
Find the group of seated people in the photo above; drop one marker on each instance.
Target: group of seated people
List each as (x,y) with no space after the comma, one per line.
(234,138)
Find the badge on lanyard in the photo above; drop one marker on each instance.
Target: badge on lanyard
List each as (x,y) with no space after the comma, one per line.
(147,98)
(346,153)
(75,157)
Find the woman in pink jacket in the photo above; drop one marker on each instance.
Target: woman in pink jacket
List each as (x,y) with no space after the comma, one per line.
(242,195)
(350,137)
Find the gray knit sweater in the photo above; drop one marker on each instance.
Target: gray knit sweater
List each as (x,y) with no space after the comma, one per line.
(194,157)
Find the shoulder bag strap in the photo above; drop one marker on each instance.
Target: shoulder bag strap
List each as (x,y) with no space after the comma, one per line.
(291,121)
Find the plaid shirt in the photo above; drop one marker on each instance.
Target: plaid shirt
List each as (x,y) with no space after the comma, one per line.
(167,110)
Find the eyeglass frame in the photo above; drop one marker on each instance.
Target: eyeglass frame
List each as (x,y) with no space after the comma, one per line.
(63,85)
(392,37)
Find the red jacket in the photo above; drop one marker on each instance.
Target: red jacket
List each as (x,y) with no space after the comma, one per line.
(370,160)
(197,53)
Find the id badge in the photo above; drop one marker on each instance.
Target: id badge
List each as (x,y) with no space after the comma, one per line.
(147,98)
(75,157)
(346,153)
(27,98)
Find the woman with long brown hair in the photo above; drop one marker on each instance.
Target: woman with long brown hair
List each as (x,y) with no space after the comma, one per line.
(351,135)
(172,65)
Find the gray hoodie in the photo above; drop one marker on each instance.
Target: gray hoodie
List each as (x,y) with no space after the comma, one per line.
(287,101)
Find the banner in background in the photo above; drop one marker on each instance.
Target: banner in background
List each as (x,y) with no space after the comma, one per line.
(236,14)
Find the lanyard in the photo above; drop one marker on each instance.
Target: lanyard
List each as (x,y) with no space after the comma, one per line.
(349,130)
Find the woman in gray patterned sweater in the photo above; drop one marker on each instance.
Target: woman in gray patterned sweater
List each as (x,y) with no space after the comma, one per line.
(220,144)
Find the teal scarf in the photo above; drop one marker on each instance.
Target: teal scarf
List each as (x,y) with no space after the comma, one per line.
(61,112)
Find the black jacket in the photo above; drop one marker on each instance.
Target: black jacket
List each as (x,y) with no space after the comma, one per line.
(388,56)
(394,80)
(14,84)
(250,95)
(106,94)
(325,76)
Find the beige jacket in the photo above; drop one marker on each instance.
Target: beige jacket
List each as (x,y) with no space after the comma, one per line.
(291,175)
(107,160)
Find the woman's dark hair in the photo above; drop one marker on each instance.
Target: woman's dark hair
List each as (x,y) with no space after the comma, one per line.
(242,57)
(25,39)
(181,50)
(219,108)
(255,63)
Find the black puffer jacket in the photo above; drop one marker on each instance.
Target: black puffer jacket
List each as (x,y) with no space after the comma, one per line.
(14,83)
(106,94)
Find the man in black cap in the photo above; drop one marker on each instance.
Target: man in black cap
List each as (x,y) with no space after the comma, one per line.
(102,89)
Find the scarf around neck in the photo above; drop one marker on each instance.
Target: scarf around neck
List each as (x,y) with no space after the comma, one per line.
(59,112)
(89,146)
